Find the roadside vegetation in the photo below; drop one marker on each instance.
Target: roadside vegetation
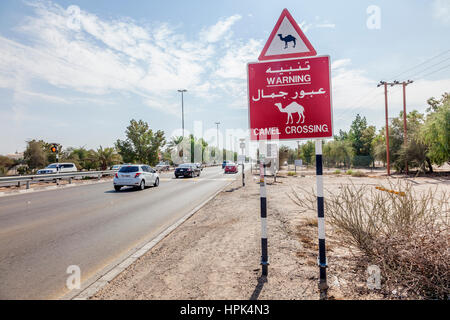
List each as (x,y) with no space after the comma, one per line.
(403,232)
(141,145)
(427,144)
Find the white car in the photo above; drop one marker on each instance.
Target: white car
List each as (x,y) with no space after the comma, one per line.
(136,175)
(58,168)
(116,167)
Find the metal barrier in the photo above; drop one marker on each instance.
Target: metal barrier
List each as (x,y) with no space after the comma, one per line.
(18,180)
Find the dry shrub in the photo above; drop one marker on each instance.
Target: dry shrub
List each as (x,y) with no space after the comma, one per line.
(405,234)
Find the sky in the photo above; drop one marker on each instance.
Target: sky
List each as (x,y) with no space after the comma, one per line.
(76,72)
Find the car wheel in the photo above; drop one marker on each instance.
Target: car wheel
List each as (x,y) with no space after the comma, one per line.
(142,185)
(156,182)
(198,174)
(117,188)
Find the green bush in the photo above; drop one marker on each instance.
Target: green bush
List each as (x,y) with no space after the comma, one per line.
(337,171)
(349,172)
(291,174)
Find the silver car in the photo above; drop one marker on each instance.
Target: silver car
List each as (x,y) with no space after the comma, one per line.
(137,175)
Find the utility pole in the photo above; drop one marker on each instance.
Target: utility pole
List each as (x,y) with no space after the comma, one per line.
(405,130)
(182,108)
(387,123)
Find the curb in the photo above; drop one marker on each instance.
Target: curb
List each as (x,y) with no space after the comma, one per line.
(92,288)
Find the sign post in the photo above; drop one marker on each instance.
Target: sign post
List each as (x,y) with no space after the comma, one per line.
(289,94)
(263,200)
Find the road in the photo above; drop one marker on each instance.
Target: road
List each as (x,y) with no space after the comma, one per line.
(90,226)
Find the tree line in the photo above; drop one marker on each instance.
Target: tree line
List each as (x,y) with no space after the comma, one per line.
(427,143)
(141,145)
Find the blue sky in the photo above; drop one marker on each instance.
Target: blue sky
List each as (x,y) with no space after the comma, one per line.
(75,72)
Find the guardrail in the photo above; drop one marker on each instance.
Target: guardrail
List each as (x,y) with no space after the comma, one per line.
(18,180)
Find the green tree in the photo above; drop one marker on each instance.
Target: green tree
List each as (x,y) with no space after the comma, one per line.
(107,157)
(307,152)
(142,144)
(338,153)
(436,131)
(35,154)
(6,164)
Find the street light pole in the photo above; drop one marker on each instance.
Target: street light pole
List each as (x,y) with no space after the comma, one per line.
(217,142)
(182,109)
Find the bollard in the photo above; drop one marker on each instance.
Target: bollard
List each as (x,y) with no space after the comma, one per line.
(322,260)
(70,180)
(28,184)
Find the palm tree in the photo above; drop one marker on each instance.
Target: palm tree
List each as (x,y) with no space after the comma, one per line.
(107,157)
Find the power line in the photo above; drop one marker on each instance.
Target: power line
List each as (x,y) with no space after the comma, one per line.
(420,64)
(372,95)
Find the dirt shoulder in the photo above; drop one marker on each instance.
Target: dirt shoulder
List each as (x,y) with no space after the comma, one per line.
(216,253)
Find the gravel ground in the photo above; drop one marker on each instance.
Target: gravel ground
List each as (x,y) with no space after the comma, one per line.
(216,253)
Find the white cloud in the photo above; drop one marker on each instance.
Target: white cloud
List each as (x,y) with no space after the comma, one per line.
(441,10)
(340,63)
(104,56)
(221,28)
(233,64)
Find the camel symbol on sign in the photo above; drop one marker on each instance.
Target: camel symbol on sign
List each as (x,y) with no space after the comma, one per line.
(294,107)
(287,39)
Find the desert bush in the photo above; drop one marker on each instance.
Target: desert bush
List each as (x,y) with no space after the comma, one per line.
(358,174)
(349,172)
(406,234)
(291,174)
(337,171)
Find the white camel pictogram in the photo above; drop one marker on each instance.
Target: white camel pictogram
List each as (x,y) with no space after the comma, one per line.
(294,107)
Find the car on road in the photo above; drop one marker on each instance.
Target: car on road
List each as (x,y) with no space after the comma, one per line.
(162,166)
(58,168)
(231,168)
(224,163)
(187,170)
(199,165)
(116,167)
(138,176)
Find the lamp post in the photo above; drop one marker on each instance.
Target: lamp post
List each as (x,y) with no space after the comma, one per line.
(182,108)
(217,142)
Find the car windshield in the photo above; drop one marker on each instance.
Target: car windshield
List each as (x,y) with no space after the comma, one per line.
(185,165)
(52,166)
(129,169)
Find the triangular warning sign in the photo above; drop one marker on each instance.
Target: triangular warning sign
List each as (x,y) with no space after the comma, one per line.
(287,41)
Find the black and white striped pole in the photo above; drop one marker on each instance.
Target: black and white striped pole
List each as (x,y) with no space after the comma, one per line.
(322,260)
(263,198)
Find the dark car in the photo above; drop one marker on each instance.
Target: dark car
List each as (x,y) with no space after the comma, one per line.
(187,170)
(224,164)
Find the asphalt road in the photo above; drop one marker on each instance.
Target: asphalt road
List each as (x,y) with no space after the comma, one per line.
(91,226)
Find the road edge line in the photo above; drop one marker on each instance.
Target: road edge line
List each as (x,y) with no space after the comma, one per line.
(91,289)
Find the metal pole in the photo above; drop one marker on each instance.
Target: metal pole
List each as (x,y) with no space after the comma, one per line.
(263,200)
(404,125)
(387,130)
(182,111)
(323,286)
(217,124)
(182,108)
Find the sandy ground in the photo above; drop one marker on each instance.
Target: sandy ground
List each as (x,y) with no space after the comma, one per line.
(216,253)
